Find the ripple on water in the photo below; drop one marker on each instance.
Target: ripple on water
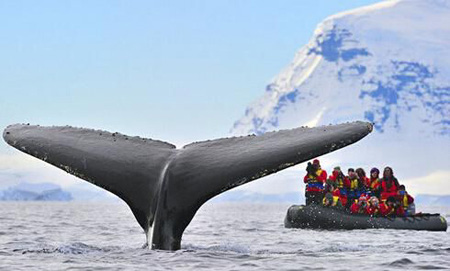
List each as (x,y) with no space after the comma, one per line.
(231,237)
(430,267)
(74,248)
(436,251)
(401,263)
(227,247)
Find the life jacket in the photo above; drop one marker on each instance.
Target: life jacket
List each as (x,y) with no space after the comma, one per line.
(336,196)
(335,200)
(312,182)
(321,175)
(405,202)
(340,182)
(354,184)
(375,184)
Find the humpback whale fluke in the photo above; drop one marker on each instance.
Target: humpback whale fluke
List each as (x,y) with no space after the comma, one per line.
(165,186)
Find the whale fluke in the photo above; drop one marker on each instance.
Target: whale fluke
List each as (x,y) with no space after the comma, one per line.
(165,186)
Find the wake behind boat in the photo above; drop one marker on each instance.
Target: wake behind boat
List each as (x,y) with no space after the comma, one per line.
(320,217)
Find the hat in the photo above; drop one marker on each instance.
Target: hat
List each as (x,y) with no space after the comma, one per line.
(316,162)
(374,170)
(337,168)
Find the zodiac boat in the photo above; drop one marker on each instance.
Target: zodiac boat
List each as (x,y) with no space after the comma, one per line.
(319,217)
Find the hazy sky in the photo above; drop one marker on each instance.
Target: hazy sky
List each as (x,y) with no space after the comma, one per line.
(178,71)
(173,70)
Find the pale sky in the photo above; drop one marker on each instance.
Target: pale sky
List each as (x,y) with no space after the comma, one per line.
(178,71)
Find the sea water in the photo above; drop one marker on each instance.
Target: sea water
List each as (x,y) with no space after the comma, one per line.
(222,236)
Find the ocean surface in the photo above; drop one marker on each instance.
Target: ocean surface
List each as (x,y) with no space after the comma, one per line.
(222,236)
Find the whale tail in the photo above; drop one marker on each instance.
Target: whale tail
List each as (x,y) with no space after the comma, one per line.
(129,167)
(165,186)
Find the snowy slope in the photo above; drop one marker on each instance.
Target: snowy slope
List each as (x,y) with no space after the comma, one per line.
(388,63)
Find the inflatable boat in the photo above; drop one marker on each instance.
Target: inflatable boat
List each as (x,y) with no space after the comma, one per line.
(319,217)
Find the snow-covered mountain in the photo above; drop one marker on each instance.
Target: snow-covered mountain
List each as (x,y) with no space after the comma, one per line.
(387,63)
(35,192)
(432,200)
(81,191)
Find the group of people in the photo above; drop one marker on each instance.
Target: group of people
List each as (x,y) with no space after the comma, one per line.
(375,195)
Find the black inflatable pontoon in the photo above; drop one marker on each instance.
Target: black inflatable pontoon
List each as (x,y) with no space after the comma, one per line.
(319,217)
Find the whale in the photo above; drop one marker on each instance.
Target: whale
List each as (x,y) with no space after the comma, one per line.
(163,185)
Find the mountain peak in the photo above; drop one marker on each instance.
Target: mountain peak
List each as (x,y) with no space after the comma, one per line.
(386,63)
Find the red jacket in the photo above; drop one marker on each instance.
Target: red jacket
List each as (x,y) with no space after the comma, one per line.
(372,210)
(365,181)
(340,182)
(386,210)
(354,209)
(315,183)
(400,211)
(389,189)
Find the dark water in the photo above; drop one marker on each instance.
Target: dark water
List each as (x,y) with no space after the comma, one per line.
(92,236)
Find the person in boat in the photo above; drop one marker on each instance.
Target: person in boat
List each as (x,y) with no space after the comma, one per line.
(391,208)
(339,194)
(339,179)
(340,184)
(349,172)
(399,210)
(375,182)
(353,189)
(315,178)
(406,201)
(363,181)
(373,207)
(389,184)
(332,201)
(359,206)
